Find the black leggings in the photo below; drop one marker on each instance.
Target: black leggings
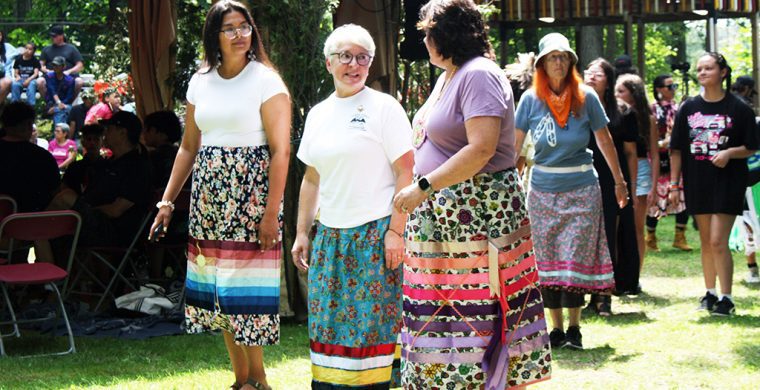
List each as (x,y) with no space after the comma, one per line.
(681,219)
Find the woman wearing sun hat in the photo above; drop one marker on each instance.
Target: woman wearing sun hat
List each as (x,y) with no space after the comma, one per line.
(565,202)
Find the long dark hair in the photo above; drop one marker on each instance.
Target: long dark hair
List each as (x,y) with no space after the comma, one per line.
(608,99)
(635,85)
(722,64)
(211,53)
(659,82)
(2,46)
(457,29)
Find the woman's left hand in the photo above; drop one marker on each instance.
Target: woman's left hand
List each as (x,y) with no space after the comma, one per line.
(409,198)
(721,159)
(394,250)
(621,194)
(268,231)
(652,196)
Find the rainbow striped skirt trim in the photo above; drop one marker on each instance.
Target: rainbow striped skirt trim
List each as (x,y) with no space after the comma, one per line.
(463,243)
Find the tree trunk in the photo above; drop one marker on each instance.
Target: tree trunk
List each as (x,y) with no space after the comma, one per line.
(589,44)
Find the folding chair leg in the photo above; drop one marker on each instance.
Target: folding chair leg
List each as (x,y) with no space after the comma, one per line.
(72,347)
(13,314)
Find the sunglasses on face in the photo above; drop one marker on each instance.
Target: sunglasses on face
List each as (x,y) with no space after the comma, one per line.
(671,87)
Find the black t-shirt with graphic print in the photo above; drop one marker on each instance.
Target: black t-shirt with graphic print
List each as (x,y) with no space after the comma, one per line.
(701,130)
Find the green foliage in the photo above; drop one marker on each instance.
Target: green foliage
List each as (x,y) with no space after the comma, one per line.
(295,33)
(190,19)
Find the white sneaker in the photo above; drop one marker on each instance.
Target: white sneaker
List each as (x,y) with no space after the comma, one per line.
(753,276)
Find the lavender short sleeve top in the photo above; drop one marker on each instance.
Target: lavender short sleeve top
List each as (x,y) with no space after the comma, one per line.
(478,88)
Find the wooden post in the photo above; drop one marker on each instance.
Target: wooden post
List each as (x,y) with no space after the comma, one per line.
(711,43)
(755,22)
(628,33)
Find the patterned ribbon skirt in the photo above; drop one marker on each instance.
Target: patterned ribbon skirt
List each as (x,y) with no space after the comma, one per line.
(458,334)
(354,309)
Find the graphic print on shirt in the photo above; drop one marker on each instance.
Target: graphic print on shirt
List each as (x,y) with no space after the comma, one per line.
(705,133)
(359,120)
(546,125)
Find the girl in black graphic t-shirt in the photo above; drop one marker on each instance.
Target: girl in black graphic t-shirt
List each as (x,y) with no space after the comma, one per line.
(713,135)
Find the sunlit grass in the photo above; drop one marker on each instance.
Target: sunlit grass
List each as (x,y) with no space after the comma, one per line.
(657,340)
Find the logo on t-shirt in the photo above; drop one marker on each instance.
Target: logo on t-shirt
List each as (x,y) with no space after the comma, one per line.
(358,120)
(705,132)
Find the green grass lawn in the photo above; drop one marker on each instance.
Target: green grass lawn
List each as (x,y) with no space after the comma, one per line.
(657,340)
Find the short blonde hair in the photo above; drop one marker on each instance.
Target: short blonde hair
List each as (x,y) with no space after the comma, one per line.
(351,34)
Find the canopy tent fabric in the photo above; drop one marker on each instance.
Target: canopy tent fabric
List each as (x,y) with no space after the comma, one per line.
(378,17)
(152,36)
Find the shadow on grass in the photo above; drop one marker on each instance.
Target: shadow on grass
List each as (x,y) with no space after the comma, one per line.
(736,320)
(646,298)
(108,362)
(587,358)
(749,350)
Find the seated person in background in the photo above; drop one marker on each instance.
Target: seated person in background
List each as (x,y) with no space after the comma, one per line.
(60,92)
(26,68)
(110,102)
(7,54)
(118,191)
(41,142)
(77,176)
(79,112)
(61,147)
(73,62)
(29,173)
(161,132)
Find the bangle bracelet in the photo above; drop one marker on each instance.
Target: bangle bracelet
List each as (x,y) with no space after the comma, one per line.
(165,203)
(397,233)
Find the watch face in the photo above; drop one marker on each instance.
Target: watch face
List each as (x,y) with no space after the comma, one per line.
(424,184)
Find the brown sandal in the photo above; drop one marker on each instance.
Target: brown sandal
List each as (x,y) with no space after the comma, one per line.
(236,386)
(256,385)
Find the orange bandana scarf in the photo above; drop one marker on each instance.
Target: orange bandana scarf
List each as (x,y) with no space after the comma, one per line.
(559,105)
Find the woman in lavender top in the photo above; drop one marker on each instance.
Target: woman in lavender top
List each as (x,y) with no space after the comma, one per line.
(473,314)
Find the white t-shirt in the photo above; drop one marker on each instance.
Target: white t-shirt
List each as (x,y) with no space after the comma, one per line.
(228,111)
(352,143)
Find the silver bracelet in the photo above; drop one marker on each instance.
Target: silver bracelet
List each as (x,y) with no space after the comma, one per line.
(165,203)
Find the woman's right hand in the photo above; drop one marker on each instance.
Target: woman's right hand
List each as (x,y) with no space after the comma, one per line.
(300,252)
(163,217)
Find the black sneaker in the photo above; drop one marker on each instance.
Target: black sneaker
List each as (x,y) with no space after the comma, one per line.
(724,308)
(573,338)
(557,338)
(707,302)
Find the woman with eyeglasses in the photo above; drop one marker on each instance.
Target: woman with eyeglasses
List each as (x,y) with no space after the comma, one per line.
(664,109)
(357,149)
(237,145)
(713,134)
(473,313)
(619,222)
(565,202)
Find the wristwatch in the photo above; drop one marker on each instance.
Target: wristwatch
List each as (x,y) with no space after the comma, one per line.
(425,185)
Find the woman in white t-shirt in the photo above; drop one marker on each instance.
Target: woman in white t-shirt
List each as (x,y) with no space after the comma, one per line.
(358,153)
(236,143)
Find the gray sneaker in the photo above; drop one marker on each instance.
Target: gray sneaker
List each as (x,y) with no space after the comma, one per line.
(753,276)
(707,302)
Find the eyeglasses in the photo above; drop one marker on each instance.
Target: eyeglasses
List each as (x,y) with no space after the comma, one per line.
(345,58)
(558,57)
(592,74)
(231,32)
(671,87)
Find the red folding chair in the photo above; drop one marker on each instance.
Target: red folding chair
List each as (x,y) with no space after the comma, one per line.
(7,207)
(102,255)
(44,225)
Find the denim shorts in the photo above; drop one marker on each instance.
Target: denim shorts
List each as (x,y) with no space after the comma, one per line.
(644,177)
